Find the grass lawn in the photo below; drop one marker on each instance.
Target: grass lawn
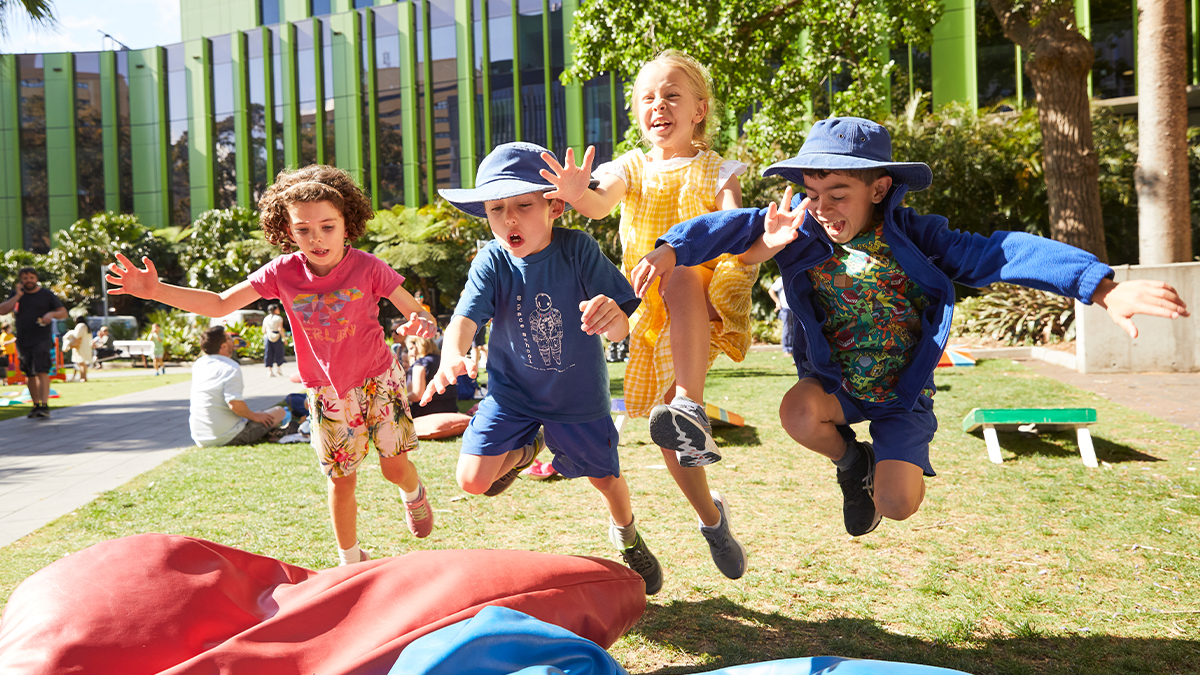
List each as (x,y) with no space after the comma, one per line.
(1039,565)
(96,388)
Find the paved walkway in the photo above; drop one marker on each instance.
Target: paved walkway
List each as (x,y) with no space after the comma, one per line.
(50,467)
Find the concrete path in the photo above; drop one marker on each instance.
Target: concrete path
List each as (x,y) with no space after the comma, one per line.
(49,467)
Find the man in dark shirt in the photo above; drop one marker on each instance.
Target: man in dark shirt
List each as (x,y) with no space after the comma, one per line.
(36,308)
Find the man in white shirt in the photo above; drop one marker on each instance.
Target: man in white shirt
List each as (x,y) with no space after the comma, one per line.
(219,415)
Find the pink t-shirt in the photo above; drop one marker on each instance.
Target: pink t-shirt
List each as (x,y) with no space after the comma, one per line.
(334,318)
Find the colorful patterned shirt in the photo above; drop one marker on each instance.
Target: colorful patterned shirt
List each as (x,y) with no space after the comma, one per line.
(873,314)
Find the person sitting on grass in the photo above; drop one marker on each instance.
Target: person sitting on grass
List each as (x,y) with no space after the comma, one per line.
(331,294)
(550,294)
(426,358)
(219,414)
(870,283)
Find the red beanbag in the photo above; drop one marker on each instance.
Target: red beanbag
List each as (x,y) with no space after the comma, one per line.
(440,425)
(155,603)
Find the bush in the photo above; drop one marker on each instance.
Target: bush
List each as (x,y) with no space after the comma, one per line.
(251,344)
(1016,315)
(222,248)
(181,337)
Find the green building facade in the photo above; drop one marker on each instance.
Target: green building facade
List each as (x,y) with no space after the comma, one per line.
(407,96)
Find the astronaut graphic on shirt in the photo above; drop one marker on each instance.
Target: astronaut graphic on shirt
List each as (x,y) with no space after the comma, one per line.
(547,327)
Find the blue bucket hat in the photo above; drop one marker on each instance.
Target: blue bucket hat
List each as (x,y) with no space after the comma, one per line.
(509,170)
(848,143)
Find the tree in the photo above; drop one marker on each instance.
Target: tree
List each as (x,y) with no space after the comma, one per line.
(38,11)
(761,53)
(1060,59)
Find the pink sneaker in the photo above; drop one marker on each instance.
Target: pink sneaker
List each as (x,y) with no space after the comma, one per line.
(419,515)
(540,471)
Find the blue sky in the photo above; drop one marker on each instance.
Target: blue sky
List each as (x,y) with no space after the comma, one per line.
(137,23)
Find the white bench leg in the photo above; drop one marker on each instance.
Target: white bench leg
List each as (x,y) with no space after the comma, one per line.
(993,444)
(620,424)
(1085,447)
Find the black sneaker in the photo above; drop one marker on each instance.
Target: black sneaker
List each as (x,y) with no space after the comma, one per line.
(503,482)
(858,492)
(41,411)
(34,411)
(639,559)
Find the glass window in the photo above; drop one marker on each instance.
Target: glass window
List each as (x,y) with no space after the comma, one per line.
(363,4)
(500,59)
(268,12)
(124,130)
(388,145)
(224,144)
(328,119)
(1112,38)
(320,8)
(35,202)
(89,135)
(913,74)
(481,146)
(444,51)
(177,116)
(365,42)
(597,117)
(277,95)
(557,91)
(420,85)
(533,82)
(306,71)
(995,58)
(257,84)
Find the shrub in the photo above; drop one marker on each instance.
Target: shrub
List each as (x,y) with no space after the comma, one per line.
(1016,315)
(181,337)
(222,248)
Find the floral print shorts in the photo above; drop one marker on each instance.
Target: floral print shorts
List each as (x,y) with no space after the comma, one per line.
(376,411)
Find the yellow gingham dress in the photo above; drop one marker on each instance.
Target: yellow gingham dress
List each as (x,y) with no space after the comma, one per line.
(655,199)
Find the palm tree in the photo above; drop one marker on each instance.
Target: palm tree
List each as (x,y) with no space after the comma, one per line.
(40,13)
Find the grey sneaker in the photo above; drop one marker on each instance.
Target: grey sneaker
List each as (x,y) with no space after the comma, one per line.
(639,559)
(727,553)
(503,482)
(858,492)
(683,427)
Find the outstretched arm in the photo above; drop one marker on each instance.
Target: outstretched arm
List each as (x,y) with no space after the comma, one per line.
(126,279)
(1138,296)
(420,322)
(572,184)
(455,347)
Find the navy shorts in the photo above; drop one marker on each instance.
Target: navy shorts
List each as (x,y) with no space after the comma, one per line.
(896,433)
(580,448)
(35,360)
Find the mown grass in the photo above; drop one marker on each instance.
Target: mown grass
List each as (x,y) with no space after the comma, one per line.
(1039,565)
(96,388)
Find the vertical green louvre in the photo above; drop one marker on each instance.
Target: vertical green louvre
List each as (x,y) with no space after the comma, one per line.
(464,28)
(109,115)
(371,124)
(269,120)
(576,134)
(547,73)
(427,93)
(149,133)
(244,155)
(953,55)
(60,141)
(201,140)
(408,97)
(318,41)
(347,90)
(518,113)
(485,47)
(291,95)
(11,231)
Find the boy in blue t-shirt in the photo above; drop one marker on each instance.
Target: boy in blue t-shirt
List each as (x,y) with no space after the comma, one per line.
(870,284)
(550,294)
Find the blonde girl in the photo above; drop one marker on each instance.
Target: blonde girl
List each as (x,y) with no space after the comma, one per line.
(331,293)
(682,325)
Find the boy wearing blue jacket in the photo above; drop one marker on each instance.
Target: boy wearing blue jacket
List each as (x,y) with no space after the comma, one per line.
(870,283)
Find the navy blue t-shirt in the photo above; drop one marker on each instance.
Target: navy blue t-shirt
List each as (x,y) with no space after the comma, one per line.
(540,363)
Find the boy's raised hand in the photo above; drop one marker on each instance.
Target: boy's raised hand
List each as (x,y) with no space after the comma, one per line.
(418,325)
(452,366)
(1138,296)
(599,315)
(127,279)
(782,223)
(569,180)
(657,263)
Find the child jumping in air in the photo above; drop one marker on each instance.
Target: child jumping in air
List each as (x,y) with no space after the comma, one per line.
(681,327)
(550,294)
(331,294)
(870,283)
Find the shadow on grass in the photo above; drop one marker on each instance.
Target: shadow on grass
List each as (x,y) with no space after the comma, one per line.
(731,435)
(1022,444)
(733,374)
(730,634)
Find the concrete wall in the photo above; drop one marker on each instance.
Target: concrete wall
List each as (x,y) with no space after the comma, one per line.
(1162,345)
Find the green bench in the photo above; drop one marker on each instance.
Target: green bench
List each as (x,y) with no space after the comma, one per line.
(1033,420)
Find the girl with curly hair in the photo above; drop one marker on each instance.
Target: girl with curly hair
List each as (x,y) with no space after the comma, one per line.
(331,293)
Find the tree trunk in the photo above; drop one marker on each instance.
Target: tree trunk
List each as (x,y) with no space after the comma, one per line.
(1161,175)
(1059,63)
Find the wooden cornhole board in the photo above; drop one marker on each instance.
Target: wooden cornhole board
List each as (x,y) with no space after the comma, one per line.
(1033,420)
(718,417)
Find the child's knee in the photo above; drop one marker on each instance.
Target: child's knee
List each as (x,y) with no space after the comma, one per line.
(899,492)
(471,476)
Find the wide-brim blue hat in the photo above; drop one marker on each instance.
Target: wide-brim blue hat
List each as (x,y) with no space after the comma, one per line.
(848,143)
(509,170)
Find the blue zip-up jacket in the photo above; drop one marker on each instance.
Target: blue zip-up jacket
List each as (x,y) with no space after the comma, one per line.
(928,251)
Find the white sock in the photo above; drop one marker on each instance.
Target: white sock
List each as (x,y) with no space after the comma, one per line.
(622,537)
(350,555)
(413,496)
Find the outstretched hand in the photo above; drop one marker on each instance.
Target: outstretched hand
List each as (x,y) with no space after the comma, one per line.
(657,263)
(418,325)
(599,314)
(1138,296)
(127,279)
(570,181)
(782,223)
(447,374)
